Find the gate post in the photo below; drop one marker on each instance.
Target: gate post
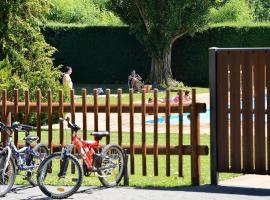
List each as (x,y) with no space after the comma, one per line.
(213,114)
(195,141)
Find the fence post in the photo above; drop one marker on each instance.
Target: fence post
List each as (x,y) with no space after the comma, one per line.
(213,115)
(38,104)
(119,108)
(16,112)
(195,140)
(108,111)
(126,173)
(4,113)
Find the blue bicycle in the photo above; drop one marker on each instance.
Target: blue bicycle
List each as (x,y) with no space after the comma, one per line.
(13,160)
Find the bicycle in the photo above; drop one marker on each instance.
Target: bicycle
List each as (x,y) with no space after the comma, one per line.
(107,163)
(12,162)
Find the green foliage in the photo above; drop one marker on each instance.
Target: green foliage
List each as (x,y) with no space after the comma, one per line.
(90,12)
(172,85)
(25,58)
(157,23)
(114,53)
(261,9)
(232,11)
(98,54)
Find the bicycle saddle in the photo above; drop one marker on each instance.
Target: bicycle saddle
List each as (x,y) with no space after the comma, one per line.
(31,138)
(100,134)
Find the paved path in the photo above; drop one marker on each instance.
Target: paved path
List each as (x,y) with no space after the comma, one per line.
(248,187)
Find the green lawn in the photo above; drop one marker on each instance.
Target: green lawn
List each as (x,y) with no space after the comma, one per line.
(125,96)
(150,179)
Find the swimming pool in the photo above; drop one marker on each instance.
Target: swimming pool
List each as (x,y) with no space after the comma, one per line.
(174,119)
(204,117)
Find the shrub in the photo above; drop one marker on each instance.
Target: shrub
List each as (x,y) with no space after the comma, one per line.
(25,57)
(232,11)
(90,12)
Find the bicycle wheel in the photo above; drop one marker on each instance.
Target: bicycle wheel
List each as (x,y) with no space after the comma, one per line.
(41,151)
(111,169)
(7,178)
(55,185)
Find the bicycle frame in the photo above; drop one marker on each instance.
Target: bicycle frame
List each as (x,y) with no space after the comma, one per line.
(21,162)
(85,149)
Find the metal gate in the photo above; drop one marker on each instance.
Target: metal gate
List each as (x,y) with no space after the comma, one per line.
(240,120)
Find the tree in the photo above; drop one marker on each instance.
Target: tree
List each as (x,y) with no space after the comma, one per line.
(261,9)
(25,57)
(157,24)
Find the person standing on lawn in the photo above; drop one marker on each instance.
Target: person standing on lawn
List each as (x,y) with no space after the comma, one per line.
(66,78)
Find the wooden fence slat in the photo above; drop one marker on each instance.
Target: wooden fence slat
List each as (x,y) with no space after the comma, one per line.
(222,112)
(72,105)
(156,132)
(38,105)
(167,119)
(259,93)
(180,136)
(96,110)
(84,114)
(49,98)
(119,104)
(27,107)
(247,119)
(268,106)
(132,161)
(144,167)
(4,115)
(195,141)
(108,91)
(16,113)
(235,123)
(61,114)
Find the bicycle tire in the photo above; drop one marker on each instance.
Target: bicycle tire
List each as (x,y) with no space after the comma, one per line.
(33,178)
(66,194)
(105,150)
(12,179)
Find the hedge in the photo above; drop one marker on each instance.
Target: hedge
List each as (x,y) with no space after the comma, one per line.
(108,54)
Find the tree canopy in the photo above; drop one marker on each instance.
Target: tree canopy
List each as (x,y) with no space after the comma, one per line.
(158,23)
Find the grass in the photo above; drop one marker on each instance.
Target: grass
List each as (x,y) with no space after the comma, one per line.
(125,95)
(150,180)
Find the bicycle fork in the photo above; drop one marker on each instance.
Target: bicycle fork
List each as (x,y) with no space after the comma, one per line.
(6,151)
(64,159)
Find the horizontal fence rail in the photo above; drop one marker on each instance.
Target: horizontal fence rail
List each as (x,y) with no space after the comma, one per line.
(143,107)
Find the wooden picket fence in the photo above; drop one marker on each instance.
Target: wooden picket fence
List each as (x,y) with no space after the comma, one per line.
(72,107)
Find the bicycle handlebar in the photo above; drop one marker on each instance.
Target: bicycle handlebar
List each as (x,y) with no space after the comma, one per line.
(73,126)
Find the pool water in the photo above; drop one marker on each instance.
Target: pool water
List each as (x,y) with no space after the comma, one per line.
(174,119)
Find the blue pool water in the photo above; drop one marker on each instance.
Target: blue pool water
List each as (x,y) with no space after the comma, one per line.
(204,117)
(174,119)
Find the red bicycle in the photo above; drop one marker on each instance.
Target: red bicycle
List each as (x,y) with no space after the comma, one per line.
(60,175)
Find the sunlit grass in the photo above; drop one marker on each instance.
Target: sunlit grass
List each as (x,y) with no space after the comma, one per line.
(150,180)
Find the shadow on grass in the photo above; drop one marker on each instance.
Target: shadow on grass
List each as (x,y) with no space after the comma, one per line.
(219,189)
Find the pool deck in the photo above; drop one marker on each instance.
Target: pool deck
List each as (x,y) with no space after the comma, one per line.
(204,128)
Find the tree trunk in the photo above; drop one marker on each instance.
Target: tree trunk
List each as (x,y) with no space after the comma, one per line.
(161,69)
